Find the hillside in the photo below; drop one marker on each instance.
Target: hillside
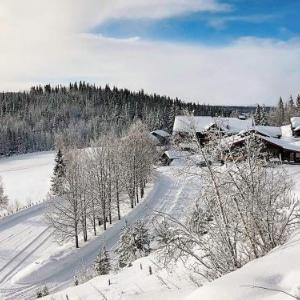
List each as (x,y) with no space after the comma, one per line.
(36,120)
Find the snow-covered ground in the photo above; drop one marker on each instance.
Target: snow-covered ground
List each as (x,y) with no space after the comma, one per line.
(278,272)
(29,256)
(26,178)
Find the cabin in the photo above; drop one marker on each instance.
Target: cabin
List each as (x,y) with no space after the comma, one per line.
(282,149)
(170,155)
(160,137)
(201,126)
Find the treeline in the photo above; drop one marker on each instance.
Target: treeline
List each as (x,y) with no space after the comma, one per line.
(282,114)
(87,184)
(35,120)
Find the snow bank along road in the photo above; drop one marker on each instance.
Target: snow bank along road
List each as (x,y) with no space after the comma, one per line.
(29,256)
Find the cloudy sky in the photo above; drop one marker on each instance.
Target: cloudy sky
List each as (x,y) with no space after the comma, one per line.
(209,51)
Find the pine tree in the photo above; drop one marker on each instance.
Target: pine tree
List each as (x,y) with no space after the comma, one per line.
(264,119)
(291,107)
(102,263)
(280,112)
(141,238)
(298,102)
(58,174)
(3,197)
(134,243)
(126,248)
(257,115)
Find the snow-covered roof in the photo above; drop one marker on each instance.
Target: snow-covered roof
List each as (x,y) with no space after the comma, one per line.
(202,123)
(291,145)
(160,132)
(271,131)
(284,144)
(174,154)
(154,139)
(295,121)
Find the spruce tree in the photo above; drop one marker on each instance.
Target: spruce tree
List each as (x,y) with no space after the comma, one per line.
(264,119)
(126,247)
(59,173)
(134,243)
(257,115)
(280,112)
(141,238)
(3,197)
(298,102)
(102,263)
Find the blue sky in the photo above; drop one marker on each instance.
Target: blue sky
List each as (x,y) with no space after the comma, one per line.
(276,19)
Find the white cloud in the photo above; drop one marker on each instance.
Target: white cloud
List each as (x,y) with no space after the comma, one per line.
(38,47)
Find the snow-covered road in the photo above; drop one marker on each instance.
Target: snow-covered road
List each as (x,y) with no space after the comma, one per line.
(29,256)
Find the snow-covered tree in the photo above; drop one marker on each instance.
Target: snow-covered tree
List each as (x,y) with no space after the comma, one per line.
(102,262)
(59,173)
(134,243)
(64,212)
(3,197)
(141,238)
(258,115)
(138,154)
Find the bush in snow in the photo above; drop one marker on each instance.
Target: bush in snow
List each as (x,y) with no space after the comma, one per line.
(102,263)
(245,209)
(134,243)
(42,292)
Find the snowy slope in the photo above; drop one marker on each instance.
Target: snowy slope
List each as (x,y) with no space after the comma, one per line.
(134,283)
(26,178)
(30,257)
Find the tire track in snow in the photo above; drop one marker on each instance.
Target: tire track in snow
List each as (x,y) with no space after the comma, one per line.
(12,261)
(12,235)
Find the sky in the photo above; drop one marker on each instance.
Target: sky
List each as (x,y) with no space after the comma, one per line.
(230,52)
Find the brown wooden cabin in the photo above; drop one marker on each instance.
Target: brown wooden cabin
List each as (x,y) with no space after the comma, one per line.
(284,150)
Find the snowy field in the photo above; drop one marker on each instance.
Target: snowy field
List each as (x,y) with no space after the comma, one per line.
(29,257)
(26,178)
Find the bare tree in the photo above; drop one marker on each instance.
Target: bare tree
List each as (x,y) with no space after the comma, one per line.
(138,155)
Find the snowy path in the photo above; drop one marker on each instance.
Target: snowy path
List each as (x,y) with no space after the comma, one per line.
(29,257)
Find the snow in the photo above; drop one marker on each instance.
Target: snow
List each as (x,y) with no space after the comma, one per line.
(295,121)
(26,178)
(286,131)
(192,124)
(134,283)
(270,131)
(29,256)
